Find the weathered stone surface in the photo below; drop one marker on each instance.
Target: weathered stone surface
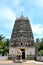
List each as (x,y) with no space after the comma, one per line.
(22,37)
(22,33)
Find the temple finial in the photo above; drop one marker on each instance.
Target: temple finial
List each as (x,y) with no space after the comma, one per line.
(22,14)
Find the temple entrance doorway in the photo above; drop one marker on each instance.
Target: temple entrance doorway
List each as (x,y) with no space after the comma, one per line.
(23,53)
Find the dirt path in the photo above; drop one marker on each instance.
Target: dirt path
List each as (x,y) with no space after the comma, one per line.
(32,62)
(29,62)
(6,62)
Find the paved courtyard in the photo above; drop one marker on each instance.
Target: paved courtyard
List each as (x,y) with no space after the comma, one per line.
(22,64)
(29,62)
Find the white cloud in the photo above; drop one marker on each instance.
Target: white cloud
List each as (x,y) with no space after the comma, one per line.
(39,3)
(15,2)
(7,18)
(7,14)
(12,3)
(37,29)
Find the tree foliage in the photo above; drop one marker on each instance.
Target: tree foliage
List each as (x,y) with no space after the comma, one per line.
(39,46)
(4,45)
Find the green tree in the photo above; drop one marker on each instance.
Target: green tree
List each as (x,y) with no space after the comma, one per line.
(37,45)
(41,44)
(1,37)
(4,45)
(7,44)
(37,40)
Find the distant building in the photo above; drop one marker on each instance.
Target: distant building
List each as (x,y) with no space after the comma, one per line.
(22,40)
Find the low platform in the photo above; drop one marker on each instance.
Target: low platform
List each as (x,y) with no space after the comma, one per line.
(19,61)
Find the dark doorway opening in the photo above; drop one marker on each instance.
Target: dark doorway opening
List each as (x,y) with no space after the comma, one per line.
(23,53)
(21,44)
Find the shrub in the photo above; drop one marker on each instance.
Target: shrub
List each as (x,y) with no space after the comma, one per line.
(40,53)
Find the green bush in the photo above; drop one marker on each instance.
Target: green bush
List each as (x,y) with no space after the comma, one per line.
(40,53)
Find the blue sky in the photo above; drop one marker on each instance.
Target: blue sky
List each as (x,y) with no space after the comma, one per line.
(10,9)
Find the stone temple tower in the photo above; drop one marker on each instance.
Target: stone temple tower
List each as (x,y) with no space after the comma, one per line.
(22,40)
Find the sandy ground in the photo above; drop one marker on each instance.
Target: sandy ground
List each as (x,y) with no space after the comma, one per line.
(6,62)
(29,62)
(33,62)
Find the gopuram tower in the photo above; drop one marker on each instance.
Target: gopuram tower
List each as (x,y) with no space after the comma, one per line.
(22,40)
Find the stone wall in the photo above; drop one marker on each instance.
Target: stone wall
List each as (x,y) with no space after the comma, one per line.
(3,57)
(39,58)
(30,53)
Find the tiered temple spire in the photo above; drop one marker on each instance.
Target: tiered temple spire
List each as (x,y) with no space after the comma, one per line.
(22,33)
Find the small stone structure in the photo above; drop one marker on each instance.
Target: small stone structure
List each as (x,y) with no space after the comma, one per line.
(39,58)
(3,57)
(22,40)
